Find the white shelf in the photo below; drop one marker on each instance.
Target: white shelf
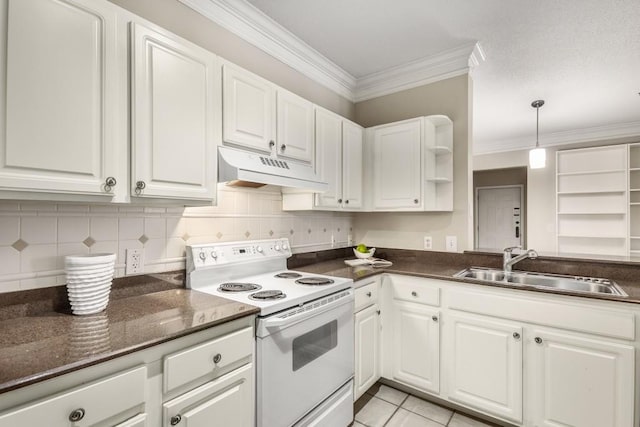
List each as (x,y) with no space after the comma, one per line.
(592,213)
(440,149)
(634,169)
(439,179)
(576,236)
(591,172)
(561,193)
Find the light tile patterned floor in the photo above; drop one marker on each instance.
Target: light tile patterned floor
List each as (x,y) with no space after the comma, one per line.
(383,406)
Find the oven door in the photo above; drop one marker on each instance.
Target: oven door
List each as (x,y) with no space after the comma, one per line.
(302,359)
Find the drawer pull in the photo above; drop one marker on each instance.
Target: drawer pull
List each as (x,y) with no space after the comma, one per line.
(369,294)
(414,294)
(538,340)
(176,419)
(434,318)
(378,311)
(217,358)
(76,415)
(109,183)
(516,335)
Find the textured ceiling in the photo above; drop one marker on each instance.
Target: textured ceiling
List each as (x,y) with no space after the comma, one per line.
(581,56)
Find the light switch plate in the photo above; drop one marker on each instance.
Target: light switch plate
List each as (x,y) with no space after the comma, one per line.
(451,244)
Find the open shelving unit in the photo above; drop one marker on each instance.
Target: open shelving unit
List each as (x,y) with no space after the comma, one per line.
(438,166)
(592,201)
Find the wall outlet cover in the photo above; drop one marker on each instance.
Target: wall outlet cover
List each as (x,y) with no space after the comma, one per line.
(134,262)
(428,242)
(451,244)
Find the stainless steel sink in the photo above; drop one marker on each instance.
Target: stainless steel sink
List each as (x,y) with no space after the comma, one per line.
(543,280)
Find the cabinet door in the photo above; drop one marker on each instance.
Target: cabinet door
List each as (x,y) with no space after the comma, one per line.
(580,381)
(352,145)
(61,114)
(176,106)
(367,330)
(329,157)
(397,164)
(416,346)
(227,401)
(295,133)
(249,110)
(486,365)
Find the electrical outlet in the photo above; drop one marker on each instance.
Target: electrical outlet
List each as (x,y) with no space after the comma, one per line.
(428,242)
(134,262)
(451,244)
(333,241)
(349,240)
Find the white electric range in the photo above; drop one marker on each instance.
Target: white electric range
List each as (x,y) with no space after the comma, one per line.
(304,332)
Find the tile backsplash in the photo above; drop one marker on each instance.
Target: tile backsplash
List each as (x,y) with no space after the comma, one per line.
(35,236)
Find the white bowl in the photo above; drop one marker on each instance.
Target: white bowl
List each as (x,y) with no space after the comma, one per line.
(89,259)
(364,255)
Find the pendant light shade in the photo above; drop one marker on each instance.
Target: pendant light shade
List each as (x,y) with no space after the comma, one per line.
(537,156)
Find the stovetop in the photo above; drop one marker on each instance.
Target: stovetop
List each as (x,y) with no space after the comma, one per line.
(262,263)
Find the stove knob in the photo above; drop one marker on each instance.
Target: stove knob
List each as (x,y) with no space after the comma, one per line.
(277,247)
(285,246)
(214,255)
(259,249)
(203,256)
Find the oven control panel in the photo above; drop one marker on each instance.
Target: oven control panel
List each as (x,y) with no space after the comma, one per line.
(208,255)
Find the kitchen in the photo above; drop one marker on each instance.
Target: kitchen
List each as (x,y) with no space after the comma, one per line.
(38,232)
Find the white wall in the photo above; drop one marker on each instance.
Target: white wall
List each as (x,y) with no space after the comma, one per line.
(51,231)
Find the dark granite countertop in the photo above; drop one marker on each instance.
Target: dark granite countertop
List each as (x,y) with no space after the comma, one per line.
(42,340)
(439,265)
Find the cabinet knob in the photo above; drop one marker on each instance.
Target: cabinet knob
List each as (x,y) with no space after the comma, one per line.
(283,147)
(176,419)
(414,294)
(416,201)
(538,340)
(434,318)
(378,311)
(217,358)
(76,415)
(272,143)
(346,202)
(369,294)
(109,183)
(140,185)
(339,200)
(516,335)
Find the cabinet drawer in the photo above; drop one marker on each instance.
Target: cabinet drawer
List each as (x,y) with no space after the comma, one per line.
(365,296)
(205,359)
(98,401)
(417,290)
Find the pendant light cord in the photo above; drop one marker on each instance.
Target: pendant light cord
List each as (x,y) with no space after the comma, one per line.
(537,124)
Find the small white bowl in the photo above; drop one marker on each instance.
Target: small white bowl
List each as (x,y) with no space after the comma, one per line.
(364,255)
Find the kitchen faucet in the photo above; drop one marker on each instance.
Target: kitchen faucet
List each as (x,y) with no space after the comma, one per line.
(508,262)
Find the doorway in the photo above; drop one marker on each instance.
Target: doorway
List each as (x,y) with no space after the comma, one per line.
(499,217)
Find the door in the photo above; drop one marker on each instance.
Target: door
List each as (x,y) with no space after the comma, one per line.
(305,357)
(176,111)
(499,217)
(329,157)
(65,86)
(226,401)
(397,164)
(486,365)
(367,325)
(352,151)
(580,381)
(249,104)
(416,346)
(295,127)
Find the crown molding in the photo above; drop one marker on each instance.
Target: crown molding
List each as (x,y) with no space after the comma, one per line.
(595,133)
(450,63)
(249,23)
(246,21)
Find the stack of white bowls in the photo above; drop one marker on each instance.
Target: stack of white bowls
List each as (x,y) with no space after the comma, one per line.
(89,280)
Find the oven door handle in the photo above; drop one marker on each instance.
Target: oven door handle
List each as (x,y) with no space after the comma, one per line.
(283,322)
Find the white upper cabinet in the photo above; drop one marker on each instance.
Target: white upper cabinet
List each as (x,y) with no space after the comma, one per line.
(249,104)
(63,90)
(329,157)
(295,138)
(352,146)
(176,116)
(397,166)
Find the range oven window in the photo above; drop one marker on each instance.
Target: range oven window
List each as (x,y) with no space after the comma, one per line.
(313,344)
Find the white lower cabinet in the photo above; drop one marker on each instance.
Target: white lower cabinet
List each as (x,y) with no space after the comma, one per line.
(525,358)
(579,380)
(367,361)
(223,402)
(485,364)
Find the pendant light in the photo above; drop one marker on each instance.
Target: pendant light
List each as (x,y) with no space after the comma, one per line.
(537,156)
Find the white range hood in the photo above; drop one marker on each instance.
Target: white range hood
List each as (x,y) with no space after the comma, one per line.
(243,168)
